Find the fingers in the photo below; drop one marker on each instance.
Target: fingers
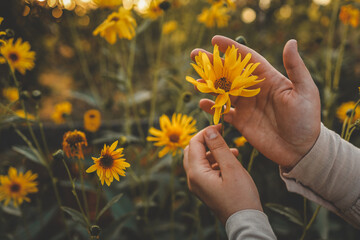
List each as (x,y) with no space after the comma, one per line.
(196,51)
(295,67)
(206,104)
(215,165)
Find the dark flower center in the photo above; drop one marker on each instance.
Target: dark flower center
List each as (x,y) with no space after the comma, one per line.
(106,161)
(74,139)
(223,83)
(13,57)
(91,116)
(114,19)
(15,187)
(174,138)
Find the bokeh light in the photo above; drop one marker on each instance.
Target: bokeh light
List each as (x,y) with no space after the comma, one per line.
(248,15)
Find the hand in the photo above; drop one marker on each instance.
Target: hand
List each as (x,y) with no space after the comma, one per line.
(283,120)
(217,177)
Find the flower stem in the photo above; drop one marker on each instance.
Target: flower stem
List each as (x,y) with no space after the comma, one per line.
(254,153)
(86,206)
(340,59)
(307,227)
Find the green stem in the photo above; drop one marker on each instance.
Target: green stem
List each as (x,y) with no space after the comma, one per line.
(86,206)
(98,194)
(310,222)
(172,191)
(254,153)
(305,211)
(41,127)
(344,126)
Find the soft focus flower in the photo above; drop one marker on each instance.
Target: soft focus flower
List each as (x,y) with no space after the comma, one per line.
(153,11)
(73,142)
(240,141)
(349,15)
(107,3)
(20,113)
(11,94)
(18,55)
(110,164)
(62,110)
(345,110)
(174,135)
(169,27)
(217,14)
(92,120)
(231,77)
(120,23)
(16,186)
(229,3)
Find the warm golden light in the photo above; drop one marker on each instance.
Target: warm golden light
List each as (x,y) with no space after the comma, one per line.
(322,2)
(285,12)
(248,15)
(264,4)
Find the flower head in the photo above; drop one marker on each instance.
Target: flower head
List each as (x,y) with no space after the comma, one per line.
(16,186)
(240,141)
(62,110)
(20,113)
(11,94)
(217,14)
(92,120)
(349,15)
(17,55)
(231,77)
(118,24)
(345,110)
(169,27)
(73,142)
(110,164)
(154,10)
(174,135)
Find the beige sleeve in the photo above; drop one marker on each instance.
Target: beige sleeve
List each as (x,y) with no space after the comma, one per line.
(329,175)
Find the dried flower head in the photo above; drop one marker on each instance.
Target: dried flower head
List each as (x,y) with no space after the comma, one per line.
(73,143)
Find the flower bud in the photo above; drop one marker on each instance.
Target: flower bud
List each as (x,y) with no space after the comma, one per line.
(241,40)
(24,95)
(165,5)
(95,230)
(10,33)
(58,155)
(348,112)
(186,97)
(36,94)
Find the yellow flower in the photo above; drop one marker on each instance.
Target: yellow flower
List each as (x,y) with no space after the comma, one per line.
(110,164)
(92,120)
(18,55)
(349,15)
(169,27)
(240,141)
(174,135)
(231,77)
(11,94)
(21,113)
(73,142)
(107,3)
(2,33)
(16,187)
(345,110)
(120,23)
(62,110)
(153,11)
(217,14)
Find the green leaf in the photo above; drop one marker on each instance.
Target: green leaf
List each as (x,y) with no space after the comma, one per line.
(114,200)
(290,213)
(31,154)
(76,216)
(9,209)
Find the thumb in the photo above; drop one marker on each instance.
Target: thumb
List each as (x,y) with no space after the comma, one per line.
(220,151)
(295,67)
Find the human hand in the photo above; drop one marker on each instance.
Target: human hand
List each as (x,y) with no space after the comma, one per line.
(217,177)
(283,120)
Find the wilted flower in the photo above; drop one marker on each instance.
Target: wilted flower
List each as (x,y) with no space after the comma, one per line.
(169,27)
(11,94)
(16,186)
(118,24)
(17,55)
(174,135)
(345,108)
(231,77)
(110,164)
(62,110)
(92,120)
(217,14)
(349,15)
(240,141)
(73,142)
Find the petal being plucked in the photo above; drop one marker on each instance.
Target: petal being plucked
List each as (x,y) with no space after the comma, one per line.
(250,92)
(217,114)
(221,100)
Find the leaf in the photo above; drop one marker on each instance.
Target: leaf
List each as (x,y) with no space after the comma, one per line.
(31,154)
(109,204)
(85,97)
(9,209)
(76,216)
(290,213)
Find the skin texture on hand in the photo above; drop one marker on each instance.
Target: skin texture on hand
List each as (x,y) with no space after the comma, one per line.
(283,120)
(217,177)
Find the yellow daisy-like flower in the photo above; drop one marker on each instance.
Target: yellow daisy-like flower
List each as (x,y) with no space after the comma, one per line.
(349,15)
(240,141)
(231,77)
(15,187)
(110,164)
(345,110)
(73,142)
(20,113)
(174,135)
(169,27)
(92,120)
(153,11)
(107,3)
(118,24)
(217,14)
(62,110)
(17,55)
(11,94)
(2,33)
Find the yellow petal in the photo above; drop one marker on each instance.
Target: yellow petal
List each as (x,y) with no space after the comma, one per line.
(250,92)
(217,115)
(91,169)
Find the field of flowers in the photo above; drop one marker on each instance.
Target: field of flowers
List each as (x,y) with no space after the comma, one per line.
(97,103)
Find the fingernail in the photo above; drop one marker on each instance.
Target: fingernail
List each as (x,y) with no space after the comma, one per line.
(211,133)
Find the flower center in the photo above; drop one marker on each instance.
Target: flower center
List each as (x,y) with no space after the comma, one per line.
(106,161)
(74,139)
(115,19)
(174,138)
(223,83)
(15,187)
(13,57)
(91,116)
